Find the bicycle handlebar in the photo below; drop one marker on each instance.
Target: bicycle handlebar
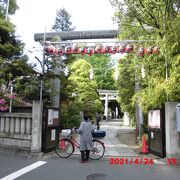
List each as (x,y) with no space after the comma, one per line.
(74,130)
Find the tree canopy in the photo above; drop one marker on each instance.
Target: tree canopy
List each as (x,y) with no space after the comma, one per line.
(102,70)
(159,22)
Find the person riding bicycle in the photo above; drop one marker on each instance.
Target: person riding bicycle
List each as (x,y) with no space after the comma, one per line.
(85,130)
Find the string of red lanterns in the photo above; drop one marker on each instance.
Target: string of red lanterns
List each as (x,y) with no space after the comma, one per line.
(51,50)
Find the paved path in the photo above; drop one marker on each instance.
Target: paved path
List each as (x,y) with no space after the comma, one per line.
(114,147)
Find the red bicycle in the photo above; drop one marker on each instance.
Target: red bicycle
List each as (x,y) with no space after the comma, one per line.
(66,147)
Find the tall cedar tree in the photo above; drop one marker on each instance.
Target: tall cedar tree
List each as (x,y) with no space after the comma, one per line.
(62,22)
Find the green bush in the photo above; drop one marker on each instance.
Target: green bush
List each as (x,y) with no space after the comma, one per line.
(70,121)
(70,118)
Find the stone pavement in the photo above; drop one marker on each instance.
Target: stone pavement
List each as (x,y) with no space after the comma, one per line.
(113,145)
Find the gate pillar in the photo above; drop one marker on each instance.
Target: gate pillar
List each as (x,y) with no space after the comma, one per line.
(172,135)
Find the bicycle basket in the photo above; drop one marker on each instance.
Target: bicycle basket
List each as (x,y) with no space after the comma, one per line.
(66,133)
(99,134)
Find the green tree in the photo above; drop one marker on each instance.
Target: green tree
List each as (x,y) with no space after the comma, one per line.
(10,47)
(126,85)
(13,64)
(83,88)
(147,17)
(102,70)
(62,21)
(157,21)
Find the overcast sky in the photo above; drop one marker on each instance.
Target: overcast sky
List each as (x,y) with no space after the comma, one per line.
(34,15)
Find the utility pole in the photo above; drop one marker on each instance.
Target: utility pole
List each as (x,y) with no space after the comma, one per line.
(138,108)
(166,65)
(7,9)
(43,61)
(11,92)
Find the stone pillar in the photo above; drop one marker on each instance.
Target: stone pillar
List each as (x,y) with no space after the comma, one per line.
(117,112)
(172,136)
(36,132)
(56,84)
(56,93)
(126,119)
(106,107)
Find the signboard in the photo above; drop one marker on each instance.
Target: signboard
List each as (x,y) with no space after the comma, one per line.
(50,116)
(53,134)
(154,118)
(53,116)
(152,135)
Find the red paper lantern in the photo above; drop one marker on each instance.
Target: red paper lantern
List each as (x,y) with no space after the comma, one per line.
(90,51)
(110,49)
(129,48)
(83,51)
(77,50)
(99,49)
(141,51)
(114,50)
(155,50)
(122,48)
(68,50)
(50,49)
(102,50)
(60,51)
(148,50)
(106,49)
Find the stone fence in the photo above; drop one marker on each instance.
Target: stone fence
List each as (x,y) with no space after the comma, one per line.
(15,129)
(21,131)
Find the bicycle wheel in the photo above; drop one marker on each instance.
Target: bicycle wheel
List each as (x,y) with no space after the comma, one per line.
(65,148)
(98,150)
